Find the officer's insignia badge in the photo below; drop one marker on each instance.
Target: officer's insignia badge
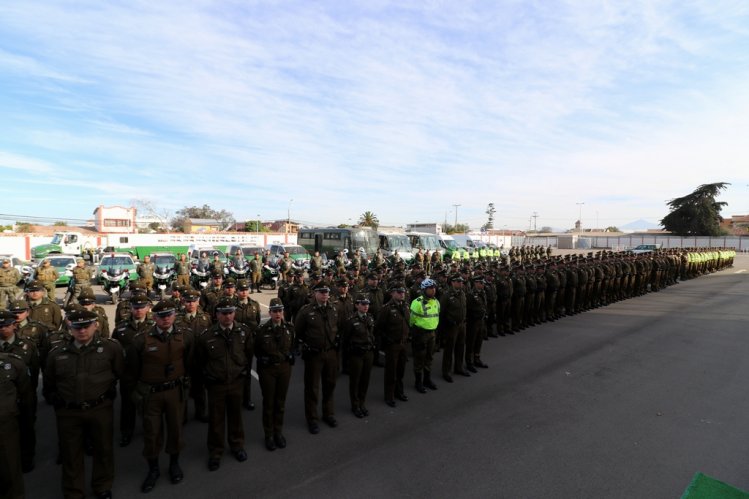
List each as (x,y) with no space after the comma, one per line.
(100,350)
(7,367)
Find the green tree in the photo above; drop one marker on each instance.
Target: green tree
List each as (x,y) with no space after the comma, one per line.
(698,213)
(369,219)
(255,226)
(60,223)
(612,228)
(456,229)
(23,227)
(181,216)
(490,211)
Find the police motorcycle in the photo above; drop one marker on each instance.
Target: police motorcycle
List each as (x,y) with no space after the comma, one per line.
(238,268)
(114,281)
(162,278)
(200,276)
(269,276)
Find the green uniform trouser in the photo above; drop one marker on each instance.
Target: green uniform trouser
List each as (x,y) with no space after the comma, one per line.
(395,369)
(11,476)
(167,406)
(183,280)
(474,337)
(98,424)
(225,405)
(50,287)
(7,295)
(319,368)
(453,344)
(359,370)
(422,346)
(274,384)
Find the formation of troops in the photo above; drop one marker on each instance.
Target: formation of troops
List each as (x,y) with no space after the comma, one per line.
(202,345)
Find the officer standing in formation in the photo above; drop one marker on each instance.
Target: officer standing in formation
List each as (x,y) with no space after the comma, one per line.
(224,351)
(425,316)
(9,278)
(47,275)
(316,327)
(392,327)
(80,379)
(159,361)
(145,271)
(182,270)
(16,404)
(197,321)
(359,343)
(273,348)
(81,278)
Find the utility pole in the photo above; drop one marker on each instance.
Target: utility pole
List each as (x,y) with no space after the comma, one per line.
(535,219)
(456,215)
(580,217)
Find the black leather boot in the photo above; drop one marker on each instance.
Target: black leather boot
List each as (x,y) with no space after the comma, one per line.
(153,474)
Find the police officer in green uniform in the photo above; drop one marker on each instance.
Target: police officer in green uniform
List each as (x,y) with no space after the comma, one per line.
(425,317)
(476,311)
(316,327)
(197,321)
(15,405)
(392,327)
(224,351)
(159,359)
(43,309)
(359,343)
(145,271)
(47,275)
(453,328)
(182,269)
(28,329)
(247,313)
(274,342)
(124,332)
(88,302)
(9,278)
(81,277)
(26,350)
(81,377)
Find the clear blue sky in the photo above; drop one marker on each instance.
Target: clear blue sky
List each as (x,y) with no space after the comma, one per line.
(401,108)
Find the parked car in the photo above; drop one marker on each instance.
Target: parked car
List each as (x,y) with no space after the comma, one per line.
(116,261)
(194,253)
(645,248)
(299,255)
(248,250)
(62,264)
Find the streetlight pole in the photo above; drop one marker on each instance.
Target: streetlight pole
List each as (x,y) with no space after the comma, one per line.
(288,215)
(580,216)
(257,224)
(456,216)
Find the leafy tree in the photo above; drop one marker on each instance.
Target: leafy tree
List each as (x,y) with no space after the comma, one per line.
(490,211)
(456,229)
(698,213)
(23,227)
(60,223)
(547,228)
(181,216)
(369,219)
(612,228)
(255,226)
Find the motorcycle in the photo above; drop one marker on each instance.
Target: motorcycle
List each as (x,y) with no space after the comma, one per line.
(199,278)
(163,277)
(237,270)
(114,281)
(269,276)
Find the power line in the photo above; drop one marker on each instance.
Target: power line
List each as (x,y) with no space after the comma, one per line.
(32,218)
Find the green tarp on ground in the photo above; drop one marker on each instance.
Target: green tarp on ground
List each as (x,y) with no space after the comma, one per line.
(704,487)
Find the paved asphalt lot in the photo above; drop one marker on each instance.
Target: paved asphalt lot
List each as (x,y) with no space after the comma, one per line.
(626,401)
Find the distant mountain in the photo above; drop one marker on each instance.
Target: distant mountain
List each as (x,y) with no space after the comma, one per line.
(640,225)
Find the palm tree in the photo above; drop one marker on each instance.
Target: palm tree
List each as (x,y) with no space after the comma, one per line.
(369,219)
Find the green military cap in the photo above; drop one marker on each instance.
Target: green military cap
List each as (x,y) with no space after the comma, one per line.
(341,282)
(225,305)
(216,274)
(230,283)
(139,301)
(72,307)
(362,298)
(191,295)
(82,318)
(87,296)
(275,305)
(243,284)
(397,286)
(17,306)
(35,286)
(321,288)
(137,286)
(7,318)
(164,308)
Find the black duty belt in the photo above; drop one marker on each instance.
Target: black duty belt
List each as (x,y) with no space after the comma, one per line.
(162,387)
(88,404)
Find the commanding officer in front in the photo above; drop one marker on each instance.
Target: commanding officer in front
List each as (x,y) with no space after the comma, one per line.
(316,328)
(224,350)
(159,359)
(80,379)
(392,328)
(425,318)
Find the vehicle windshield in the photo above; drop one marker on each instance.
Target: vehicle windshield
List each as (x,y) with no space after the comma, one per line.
(425,241)
(164,260)
(294,250)
(109,261)
(56,239)
(366,239)
(61,262)
(449,244)
(252,250)
(399,242)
